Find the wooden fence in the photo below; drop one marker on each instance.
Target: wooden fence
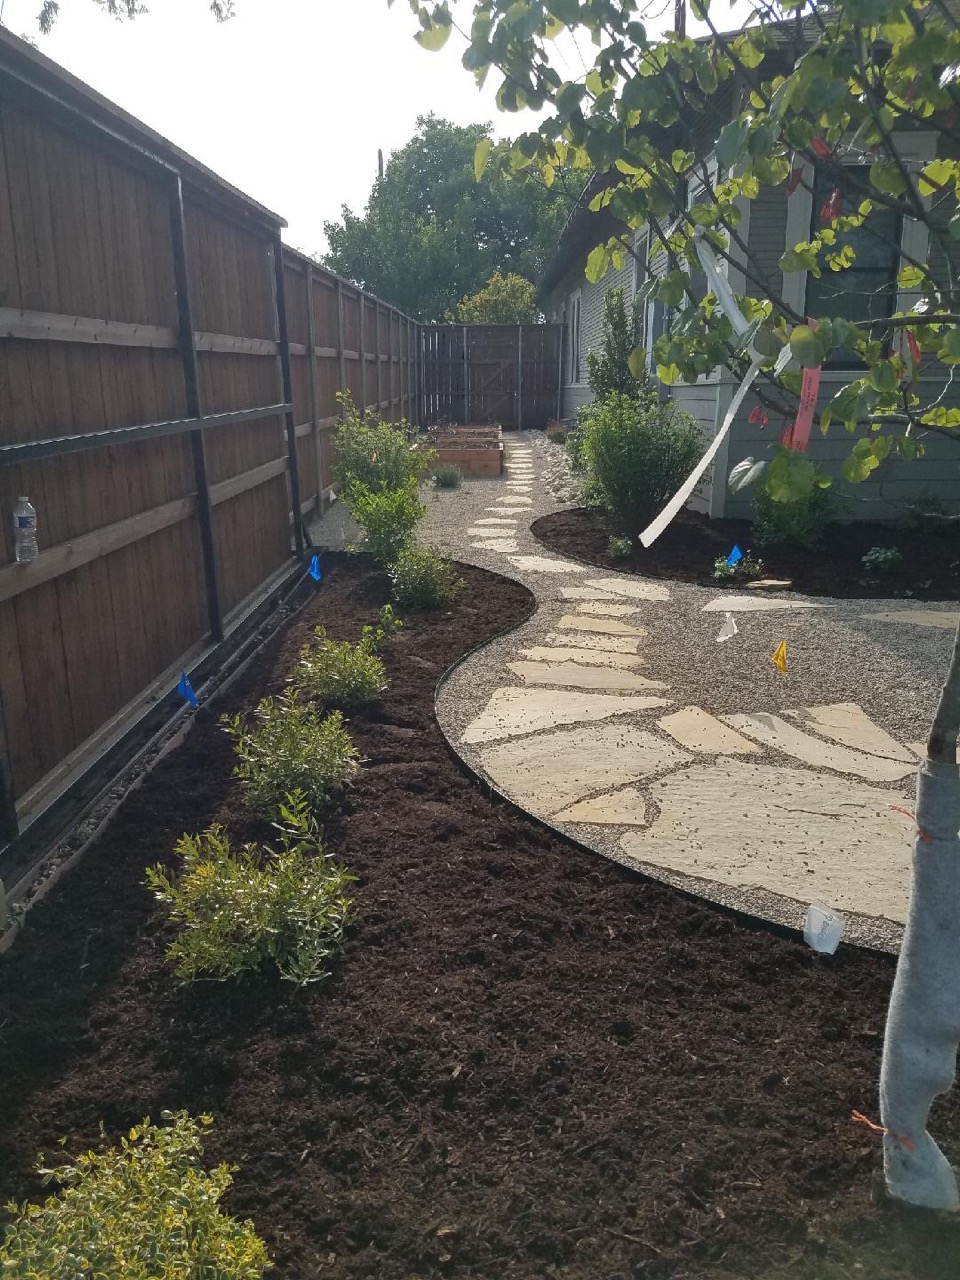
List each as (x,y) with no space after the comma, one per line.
(508,374)
(168,379)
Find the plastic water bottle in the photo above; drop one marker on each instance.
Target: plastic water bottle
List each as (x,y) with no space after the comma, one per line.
(823,928)
(25,530)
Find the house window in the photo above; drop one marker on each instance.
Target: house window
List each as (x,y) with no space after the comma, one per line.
(575,339)
(868,289)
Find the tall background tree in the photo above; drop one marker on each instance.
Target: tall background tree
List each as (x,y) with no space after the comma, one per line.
(432,233)
(508,299)
(684,136)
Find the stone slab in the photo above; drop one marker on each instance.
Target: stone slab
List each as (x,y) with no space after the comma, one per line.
(585,640)
(497,544)
(585,593)
(497,520)
(848,724)
(806,835)
(607,626)
(606,609)
(516,501)
(917,618)
(544,564)
(511,510)
(757,604)
(552,770)
(638,590)
(512,712)
(698,730)
(574,676)
(624,808)
(774,732)
(600,657)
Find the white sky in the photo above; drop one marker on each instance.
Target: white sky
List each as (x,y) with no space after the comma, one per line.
(289,100)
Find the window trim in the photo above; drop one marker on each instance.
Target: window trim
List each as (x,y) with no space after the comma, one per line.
(575,326)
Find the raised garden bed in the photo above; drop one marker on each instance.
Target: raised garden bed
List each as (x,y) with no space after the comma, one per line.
(687,550)
(476,450)
(529,1063)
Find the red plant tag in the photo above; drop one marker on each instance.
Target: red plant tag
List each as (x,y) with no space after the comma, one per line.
(758,414)
(820,148)
(832,206)
(914,347)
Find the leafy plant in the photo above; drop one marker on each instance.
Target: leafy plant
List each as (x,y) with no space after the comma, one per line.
(388,624)
(638,452)
(620,548)
(388,517)
(557,435)
(610,370)
(338,673)
(880,562)
(504,299)
(288,747)
(375,456)
(748,566)
(574,443)
(447,476)
(424,579)
(240,911)
(800,523)
(147,1210)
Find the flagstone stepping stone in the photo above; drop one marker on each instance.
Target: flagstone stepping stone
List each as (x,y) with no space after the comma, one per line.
(624,587)
(756,604)
(849,724)
(607,644)
(511,510)
(919,749)
(624,808)
(769,584)
(479,532)
(783,736)
(497,520)
(698,730)
(807,835)
(918,617)
(585,593)
(517,501)
(579,677)
(543,564)
(605,609)
(544,653)
(607,626)
(552,770)
(497,544)
(512,712)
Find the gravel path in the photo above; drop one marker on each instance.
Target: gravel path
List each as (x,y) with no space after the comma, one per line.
(806,796)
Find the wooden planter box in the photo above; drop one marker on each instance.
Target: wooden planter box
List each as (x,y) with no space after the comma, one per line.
(477,451)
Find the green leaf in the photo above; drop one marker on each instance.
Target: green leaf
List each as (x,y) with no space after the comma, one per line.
(731,144)
(861,462)
(886,176)
(950,351)
(883,376)
(435,36)
(637,363)
(803,344)
(744,474)
(791,476)
(597,261)
(480,157)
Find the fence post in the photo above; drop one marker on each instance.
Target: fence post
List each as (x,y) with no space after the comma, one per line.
(362,302)
(376,344)
(341,330)
(283,348)
(191,380)
(9,825)
(314,393)
(390,315)
(519,377)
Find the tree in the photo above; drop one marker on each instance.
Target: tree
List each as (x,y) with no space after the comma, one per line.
(50,11)
(505,299)
(619,367)
(432,233)
(684,136)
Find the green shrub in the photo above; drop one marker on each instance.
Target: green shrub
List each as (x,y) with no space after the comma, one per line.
(290,747)
(557,435)
(748,566)
(338,673)
(801,523)
(377,455)
(423,579)
(243,910)
(447,476)
(638,453)
(388,624)
(620,548)
(879,562)
(574,445)
(147,1210)
(388,518)
(608,369)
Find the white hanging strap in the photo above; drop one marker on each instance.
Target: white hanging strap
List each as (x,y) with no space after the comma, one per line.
(728,304)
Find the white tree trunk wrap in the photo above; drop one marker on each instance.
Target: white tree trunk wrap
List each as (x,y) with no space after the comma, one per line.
(923,1022)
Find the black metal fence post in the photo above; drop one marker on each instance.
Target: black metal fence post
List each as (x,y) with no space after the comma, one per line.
(283,350)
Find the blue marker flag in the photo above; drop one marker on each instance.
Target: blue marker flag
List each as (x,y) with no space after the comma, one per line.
(185,690)
(735,556)
(315,573)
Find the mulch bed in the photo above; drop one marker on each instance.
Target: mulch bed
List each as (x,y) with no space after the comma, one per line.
(529,1063)
(686,552)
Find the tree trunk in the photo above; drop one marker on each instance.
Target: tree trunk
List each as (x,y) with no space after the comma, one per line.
(923,1021)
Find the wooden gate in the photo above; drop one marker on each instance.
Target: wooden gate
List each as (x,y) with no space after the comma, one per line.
(492,373)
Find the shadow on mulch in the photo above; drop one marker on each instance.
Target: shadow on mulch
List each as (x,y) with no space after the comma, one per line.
(529,1063)
(686,552)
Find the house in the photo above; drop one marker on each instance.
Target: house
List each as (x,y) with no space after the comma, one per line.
(771,224)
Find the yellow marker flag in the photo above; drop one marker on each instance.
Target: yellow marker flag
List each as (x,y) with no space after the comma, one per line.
(779,657)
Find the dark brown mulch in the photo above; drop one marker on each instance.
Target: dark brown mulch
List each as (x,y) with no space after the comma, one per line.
(530,1062)
(687,550)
